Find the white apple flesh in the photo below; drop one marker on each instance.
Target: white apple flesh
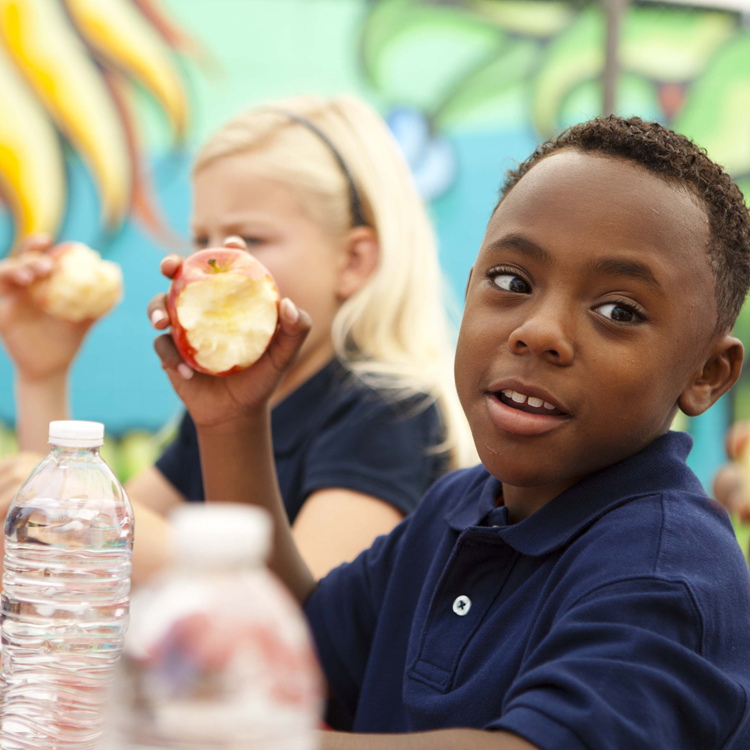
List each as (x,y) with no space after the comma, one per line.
(81,285)
(223,305)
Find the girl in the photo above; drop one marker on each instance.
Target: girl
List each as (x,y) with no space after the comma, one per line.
(367,417)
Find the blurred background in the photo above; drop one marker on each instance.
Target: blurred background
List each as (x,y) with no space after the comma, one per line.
(105,101)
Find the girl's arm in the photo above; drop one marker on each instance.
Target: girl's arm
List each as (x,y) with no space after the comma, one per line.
(335,525)
(41,347)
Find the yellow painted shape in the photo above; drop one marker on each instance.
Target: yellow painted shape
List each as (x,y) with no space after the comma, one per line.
(122,35)
(32,173)
(45,46)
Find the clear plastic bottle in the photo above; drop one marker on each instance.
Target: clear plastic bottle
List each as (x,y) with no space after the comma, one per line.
(66,585)
(218,654)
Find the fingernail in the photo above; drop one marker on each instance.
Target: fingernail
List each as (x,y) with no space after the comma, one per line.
(185,372)
(235,241)
(157,316)
(24,275)
(289,310)
(44,264)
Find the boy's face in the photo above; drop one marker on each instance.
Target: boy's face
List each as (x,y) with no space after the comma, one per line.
(592,292)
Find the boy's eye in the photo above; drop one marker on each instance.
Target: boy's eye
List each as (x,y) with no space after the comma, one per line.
(511,283)
(618,312)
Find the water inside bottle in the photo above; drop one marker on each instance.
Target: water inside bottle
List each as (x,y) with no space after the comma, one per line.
(65,612)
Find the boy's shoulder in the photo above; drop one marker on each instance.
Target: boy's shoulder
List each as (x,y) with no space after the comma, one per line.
(675,537)
(645,519)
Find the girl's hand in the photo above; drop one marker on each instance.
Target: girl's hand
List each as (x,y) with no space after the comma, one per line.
(214,401)
(40,346)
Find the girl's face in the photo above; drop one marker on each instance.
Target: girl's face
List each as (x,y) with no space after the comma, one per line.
(231,198)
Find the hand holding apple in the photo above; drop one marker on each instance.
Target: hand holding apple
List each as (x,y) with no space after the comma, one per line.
(241,389)
(40,345)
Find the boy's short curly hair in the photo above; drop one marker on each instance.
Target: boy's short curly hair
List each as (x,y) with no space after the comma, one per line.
(677,160)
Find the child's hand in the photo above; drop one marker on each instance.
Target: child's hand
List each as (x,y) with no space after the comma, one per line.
(731,482)
(39,345)
(211,400)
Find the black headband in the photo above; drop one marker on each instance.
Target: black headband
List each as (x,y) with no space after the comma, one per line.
(355,204)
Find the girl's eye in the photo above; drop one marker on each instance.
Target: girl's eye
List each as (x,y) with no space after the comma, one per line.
(511,283)
(618,312)
(200,242)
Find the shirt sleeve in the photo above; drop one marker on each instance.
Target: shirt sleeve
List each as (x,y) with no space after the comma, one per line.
(179,461)
(380,449)
(623,668)
(343,613)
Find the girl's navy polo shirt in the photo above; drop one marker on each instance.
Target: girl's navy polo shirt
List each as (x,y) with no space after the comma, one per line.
(334,431)
(617,616)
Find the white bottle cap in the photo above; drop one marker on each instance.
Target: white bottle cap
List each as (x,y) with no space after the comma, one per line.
(74,433)
(208,534)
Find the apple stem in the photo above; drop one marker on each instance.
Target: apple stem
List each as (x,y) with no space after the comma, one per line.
(213,264)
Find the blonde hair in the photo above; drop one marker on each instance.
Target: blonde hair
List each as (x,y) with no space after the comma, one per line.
(393,333)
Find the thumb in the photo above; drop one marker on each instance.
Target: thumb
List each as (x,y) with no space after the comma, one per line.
(294,325)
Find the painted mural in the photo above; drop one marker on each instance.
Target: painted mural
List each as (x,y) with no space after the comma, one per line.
(110,98)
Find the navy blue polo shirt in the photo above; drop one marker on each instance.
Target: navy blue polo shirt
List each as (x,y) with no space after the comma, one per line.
(334,431)
(617,616)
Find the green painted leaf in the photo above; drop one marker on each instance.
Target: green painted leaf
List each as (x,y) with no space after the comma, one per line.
(716,114)
(575,56)
(493,90)
(534,18)
(415,52)
(668,44)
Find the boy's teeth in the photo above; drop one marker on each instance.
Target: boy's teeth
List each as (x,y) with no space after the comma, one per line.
(519,398)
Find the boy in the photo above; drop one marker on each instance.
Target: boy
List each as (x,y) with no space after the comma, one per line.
(578,590)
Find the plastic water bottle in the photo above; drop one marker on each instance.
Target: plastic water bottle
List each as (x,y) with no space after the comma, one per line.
(218,653)
(66,585)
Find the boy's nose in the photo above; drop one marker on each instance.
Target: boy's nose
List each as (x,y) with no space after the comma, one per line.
(544,335)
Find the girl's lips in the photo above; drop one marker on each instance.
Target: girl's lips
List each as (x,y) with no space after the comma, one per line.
(519,422)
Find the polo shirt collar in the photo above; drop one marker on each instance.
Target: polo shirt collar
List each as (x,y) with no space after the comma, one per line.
(658,467)
(293,418)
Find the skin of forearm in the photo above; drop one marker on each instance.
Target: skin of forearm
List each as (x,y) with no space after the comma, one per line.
(152,547)
(238,466)
(444,739)
(39,402)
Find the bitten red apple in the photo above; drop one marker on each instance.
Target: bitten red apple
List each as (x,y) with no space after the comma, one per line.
(224,306)
(81,285)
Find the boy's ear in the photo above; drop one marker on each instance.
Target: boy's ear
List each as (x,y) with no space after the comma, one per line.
(361,256)
(719,373)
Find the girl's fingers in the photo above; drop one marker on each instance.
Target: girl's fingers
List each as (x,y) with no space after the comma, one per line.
(170,264)
(294,325)
(157,312)
(23,270)
(170,357)
(37,242)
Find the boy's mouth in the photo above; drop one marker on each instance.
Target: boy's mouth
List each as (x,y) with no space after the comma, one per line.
(521,413)
(529,404)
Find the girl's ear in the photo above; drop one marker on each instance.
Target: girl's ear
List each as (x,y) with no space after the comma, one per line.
(361,256)
(718,374)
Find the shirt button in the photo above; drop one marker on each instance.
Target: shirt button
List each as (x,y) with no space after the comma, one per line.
(462,605)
